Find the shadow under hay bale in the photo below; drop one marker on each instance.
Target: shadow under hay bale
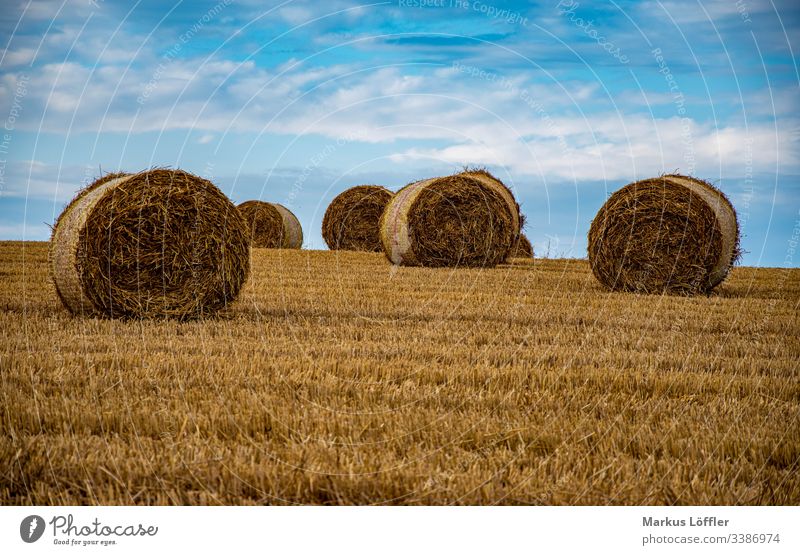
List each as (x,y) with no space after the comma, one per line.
(468,219)
(271,225)
(523,248)
(160,243)
(352,219)
(670,234)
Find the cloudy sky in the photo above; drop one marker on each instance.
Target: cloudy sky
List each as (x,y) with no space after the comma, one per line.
(294,101)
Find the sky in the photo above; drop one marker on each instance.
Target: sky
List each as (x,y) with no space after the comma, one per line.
(292,102)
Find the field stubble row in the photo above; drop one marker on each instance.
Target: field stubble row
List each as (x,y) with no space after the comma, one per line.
(337,378)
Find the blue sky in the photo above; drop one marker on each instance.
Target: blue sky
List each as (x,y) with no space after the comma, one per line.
(294,101)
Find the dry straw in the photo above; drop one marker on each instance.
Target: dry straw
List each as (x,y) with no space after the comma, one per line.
(352,219)
(468,219)
(673,234)
(160,243)
(523,248)
(88,189)
(78,196)
(271,225)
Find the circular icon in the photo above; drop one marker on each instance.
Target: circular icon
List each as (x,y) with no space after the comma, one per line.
(31,528)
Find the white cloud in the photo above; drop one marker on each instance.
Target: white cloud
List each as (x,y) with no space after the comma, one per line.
(296,14)
(564,130)
(640,153)
(49,9)
(568,130)
(35,179)
(18,232)
(18,57)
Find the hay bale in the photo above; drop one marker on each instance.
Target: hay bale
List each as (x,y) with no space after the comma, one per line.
(96,183)
(468,219)
(523,248)
(672,234)
(292,230)
(160,243)
(72,203)
(86,190)
(352,219)
(271,225)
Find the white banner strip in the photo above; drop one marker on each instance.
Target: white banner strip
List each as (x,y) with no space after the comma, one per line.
(400,530)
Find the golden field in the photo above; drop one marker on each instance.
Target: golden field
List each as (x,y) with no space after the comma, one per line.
(338,379)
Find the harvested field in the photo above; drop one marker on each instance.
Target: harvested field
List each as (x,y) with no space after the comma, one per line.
(337,378)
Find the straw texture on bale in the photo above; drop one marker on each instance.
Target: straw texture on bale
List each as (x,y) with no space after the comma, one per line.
(160,243)
(272,226)
(467,219)
(86,190)
(669,234)
(523,248)
(352,219)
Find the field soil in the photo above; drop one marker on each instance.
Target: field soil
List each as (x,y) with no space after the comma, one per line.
(339,379)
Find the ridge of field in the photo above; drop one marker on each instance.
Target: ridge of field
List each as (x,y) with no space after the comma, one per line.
(339,379)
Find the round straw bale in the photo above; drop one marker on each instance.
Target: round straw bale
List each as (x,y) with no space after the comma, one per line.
(292,230)
(468,219)
(271,225)
(160,243)
(86,190)
(523,248)
(72,203)
(673,234)
(352,218)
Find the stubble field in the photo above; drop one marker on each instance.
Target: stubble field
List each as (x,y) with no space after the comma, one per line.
(337,379)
